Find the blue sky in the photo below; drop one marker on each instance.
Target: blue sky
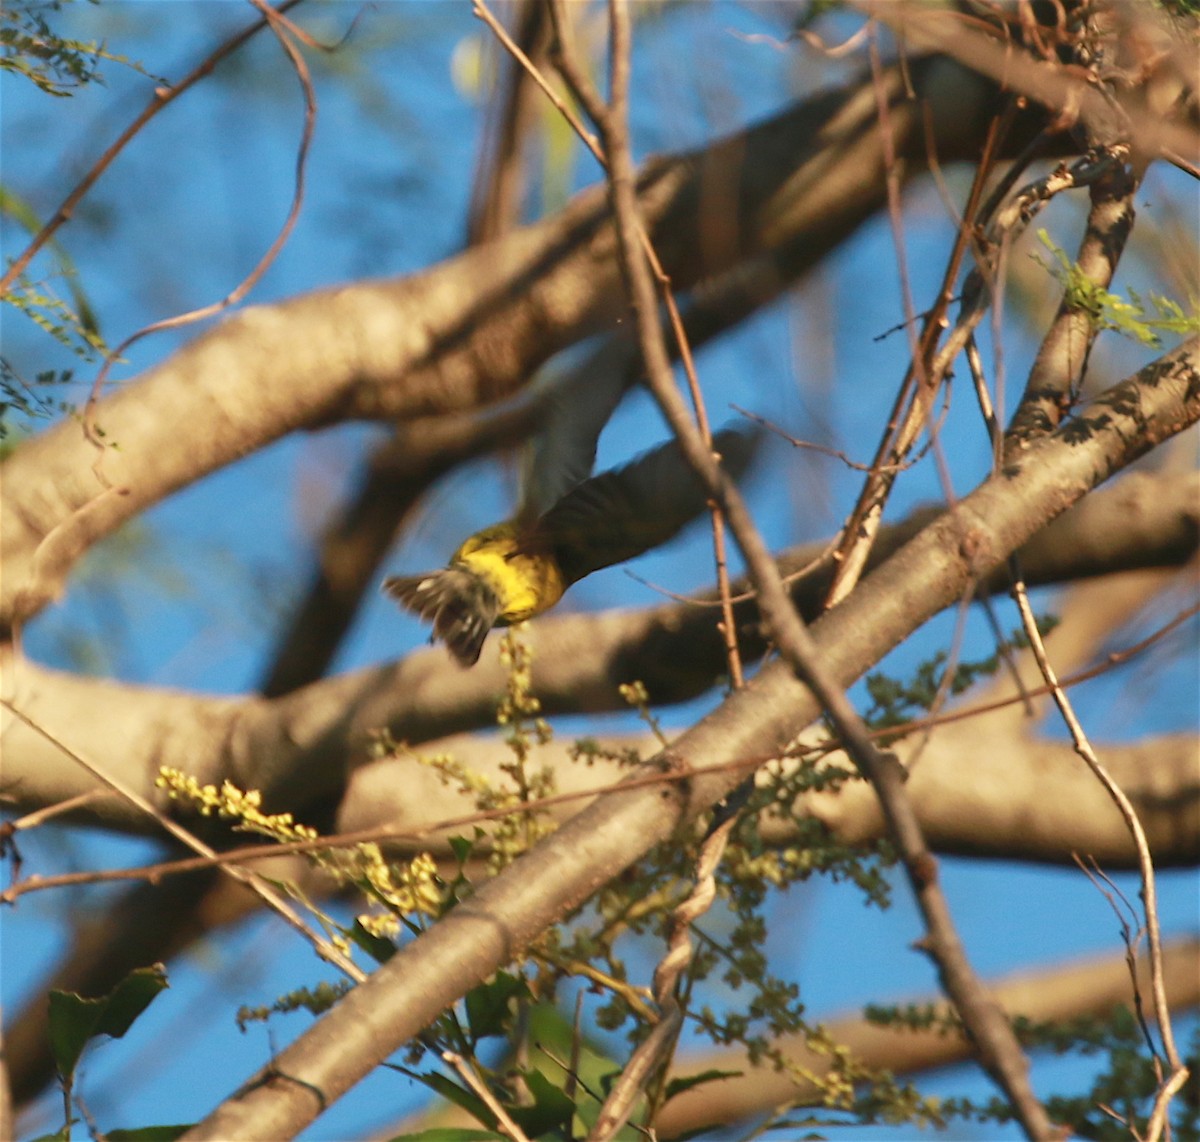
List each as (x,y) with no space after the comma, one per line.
(187,210)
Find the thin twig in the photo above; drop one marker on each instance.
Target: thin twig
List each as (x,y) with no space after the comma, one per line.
(1123,910)
(1083,747)
(566,62)
(268,895)
(909,412)
(282,28)
(824,449)
(1000,1052)
(504,1120)
(40,816)
(484,13)
(164,95)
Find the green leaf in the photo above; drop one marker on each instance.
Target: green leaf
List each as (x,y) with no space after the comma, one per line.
(462,849)
(678,1086)
(488,1005)
(552,1110)
(74,1019)
(452,1092)
(378,948)
(1105,310)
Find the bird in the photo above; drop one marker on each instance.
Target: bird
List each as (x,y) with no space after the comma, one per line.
(512,571)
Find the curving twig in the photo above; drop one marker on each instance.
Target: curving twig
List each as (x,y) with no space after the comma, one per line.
(1162,1011)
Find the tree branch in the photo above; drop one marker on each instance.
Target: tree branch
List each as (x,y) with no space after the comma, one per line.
(1085,988)
(1088,988)
(562,871)
(437,342)
(301,746)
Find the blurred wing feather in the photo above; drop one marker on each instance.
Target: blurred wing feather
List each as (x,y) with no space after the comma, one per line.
(459,604)
(578,406)
(627,511)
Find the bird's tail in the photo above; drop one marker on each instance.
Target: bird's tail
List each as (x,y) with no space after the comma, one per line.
(461,606)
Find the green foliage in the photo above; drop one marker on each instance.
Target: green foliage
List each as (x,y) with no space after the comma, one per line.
(1118,1102)
(34,399)
(76,1020)
(1181,9)
(70,323)
(490,1006)
(315,1000)
(166,1133)
(896,701)
(914,1017)
(69,320)
(55,64)
(757,866)
(1134,318)
(544,1109)
(701,1078)
(637,697)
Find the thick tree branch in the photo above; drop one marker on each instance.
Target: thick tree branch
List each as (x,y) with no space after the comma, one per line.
(1089,988)
(302,746)
(296,747)
(470,330)
(563,870)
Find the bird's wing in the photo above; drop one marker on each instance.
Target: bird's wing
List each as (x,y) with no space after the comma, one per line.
(624,512)
(578,406)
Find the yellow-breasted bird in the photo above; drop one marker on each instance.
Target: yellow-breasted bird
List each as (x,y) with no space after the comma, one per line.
(512,571)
